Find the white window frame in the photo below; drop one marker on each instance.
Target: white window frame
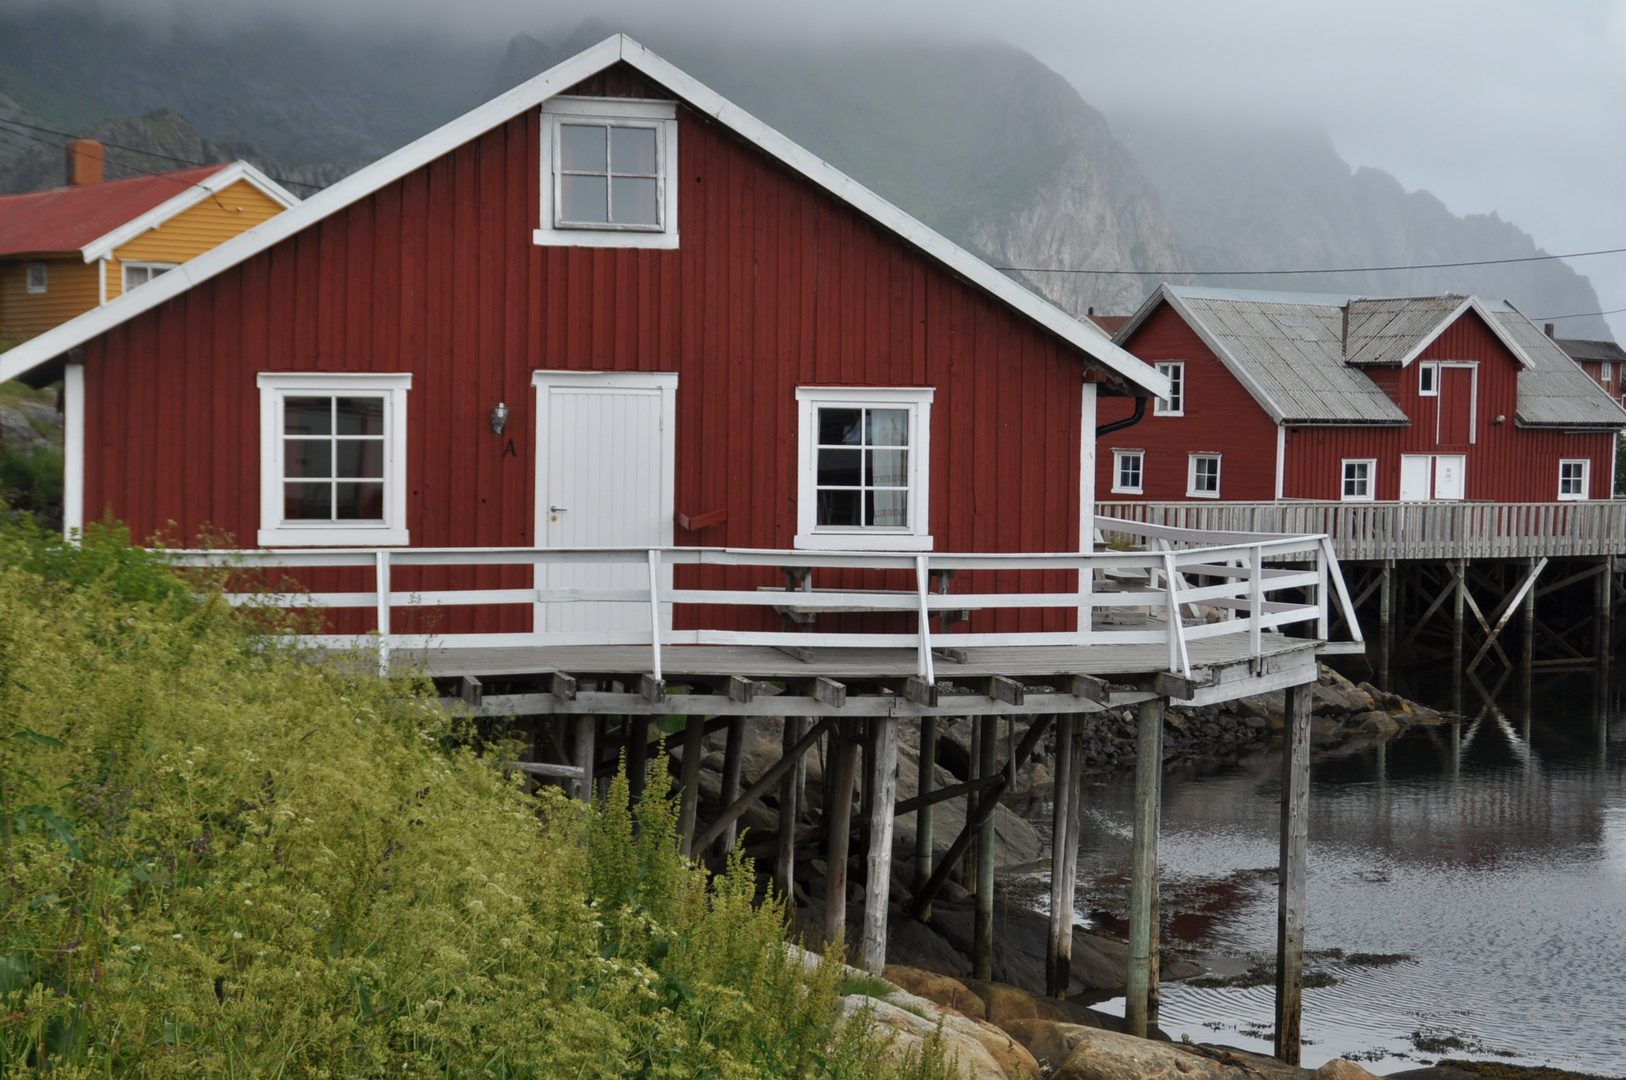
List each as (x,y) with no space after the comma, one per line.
(1118,487)
(125,268)
(1586,480)
(1607,372)
(41,271)
(1175,372)
(915,536)
(1428,373)
(1191,475)
(1371,480)
(624,112)
(275,531)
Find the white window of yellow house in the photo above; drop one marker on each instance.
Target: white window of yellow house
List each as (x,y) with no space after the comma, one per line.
(609,173)
(38,277)
(139,273)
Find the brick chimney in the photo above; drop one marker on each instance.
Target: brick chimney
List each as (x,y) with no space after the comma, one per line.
(1549,329)
(84,161)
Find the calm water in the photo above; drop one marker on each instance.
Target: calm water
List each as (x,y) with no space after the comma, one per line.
(1494,853)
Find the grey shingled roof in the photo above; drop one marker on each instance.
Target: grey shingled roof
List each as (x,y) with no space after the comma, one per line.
(1584,349)
(1553,390)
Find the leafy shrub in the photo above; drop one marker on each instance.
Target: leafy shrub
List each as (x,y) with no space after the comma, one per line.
(31,484)
(221,858)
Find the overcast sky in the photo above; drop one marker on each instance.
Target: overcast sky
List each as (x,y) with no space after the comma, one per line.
(1512,106)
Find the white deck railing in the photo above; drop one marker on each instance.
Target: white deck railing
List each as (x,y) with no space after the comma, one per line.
(1405,530)
(1218,584)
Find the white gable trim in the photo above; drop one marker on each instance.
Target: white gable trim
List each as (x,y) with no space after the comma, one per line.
(1472,303)
(1237,370)
(103,246)
(529,95)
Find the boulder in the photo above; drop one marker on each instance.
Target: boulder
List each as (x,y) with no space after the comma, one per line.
(1105,1055)
(916,945)
(1373,722)
(1049,1041)
(1016,842)
(1339,699)
(1020,942)
(1003,1003)
(1267,1067)
(15,430)
(1326,729)
(1013,1058)
(947,992)
(1339,1069)
(910,1031)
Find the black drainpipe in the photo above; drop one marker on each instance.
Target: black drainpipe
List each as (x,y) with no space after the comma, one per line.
(1118,425)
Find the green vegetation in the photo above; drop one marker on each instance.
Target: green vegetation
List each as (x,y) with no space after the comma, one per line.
(223,859)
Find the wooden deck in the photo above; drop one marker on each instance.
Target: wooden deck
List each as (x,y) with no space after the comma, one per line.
(1379,531)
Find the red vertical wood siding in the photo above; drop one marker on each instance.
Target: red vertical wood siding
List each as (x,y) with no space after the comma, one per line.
(776,285)
(1220,417)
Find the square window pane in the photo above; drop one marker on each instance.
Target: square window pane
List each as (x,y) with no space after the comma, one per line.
(887,468)
(838,508)
(361,415)
(360,502)
(307,502)
(632,151)
(584,198)
(839,468)
(361,458)
(839,427)
(307,416)
(307,457)
(634,201)
(886,508)
(581,148)
(888,427)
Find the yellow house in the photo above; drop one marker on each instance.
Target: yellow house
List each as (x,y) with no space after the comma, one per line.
(73,248)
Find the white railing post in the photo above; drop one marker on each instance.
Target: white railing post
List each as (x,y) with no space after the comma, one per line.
(655,609)
(922,590)
(1179,658)
(1256,601)
(381,576)
(1323,622)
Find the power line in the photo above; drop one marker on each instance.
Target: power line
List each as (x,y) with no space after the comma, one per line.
(1576,315)
(1313,270)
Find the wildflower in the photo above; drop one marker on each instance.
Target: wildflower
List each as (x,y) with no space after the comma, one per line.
(177,937)
(238,934)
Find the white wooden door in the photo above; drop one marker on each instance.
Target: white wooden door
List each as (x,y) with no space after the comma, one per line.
(605,479)
(1416,472)
(1450,476)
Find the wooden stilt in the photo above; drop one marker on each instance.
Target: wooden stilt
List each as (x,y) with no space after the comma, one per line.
(843,764)
(1385,622)
(1529,655)
(1459,576)
(586,757)
(883,768)
(924,838)
(1070,876)
(1295,842)
(968,875)
(776,772)
(982,927)
(1058,953)
(694,748)
(785,864)
(733,752)
(1143,864)
(1606,613)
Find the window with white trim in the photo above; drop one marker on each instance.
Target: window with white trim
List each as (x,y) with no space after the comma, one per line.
(1607,371)
(609,173)
(863,468)
(1175,403)
(333,459)
(39,278)
(1574,478)
(1128,471)
(139,273)
(1428,380)
(1358,481)
(1203,476)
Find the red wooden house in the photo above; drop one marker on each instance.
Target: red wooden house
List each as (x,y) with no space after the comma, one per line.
(1332,397)
(608,308)
(1604,361)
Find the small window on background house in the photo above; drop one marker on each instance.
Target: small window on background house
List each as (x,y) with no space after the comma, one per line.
(1203,476)
(1128,471)
(38,277)
(1573,479)
(1175,403)
(1358,478)
(137,274)
(1428,380)
(609,173)
(1608,372)
(864,481)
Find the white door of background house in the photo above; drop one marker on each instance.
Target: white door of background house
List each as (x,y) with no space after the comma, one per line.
(1450,476)
(1433,476)
(605,478)
(1416,476)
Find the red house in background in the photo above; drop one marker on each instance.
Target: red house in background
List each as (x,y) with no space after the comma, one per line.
(1330,397)
(1604,361)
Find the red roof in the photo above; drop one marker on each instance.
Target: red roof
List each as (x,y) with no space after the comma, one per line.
(1110,323)
(68,218)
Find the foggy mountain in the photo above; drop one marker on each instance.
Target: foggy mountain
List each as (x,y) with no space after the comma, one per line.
(979,140)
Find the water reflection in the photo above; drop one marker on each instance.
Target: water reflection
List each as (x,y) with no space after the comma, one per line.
(1492,851)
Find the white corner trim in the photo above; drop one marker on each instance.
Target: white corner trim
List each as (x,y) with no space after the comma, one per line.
(1281,459)
(1086,469)
(1086,337)
(73,450)
(103,246)
(1237,370)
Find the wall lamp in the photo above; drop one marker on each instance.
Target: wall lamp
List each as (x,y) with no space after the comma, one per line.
(499,418)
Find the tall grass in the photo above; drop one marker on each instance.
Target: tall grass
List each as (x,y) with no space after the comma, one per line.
(221,859)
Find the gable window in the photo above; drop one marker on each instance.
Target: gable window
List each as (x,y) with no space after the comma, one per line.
(1428,380)
(333,459)
(609,173)
(1128,471)
(1358,477)
(139,273)
(38,277)
(1608,372)
(863,468)
(1203,476)
(1574,478)
(1175,403)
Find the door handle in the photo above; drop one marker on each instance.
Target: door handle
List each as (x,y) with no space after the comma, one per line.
(557,509)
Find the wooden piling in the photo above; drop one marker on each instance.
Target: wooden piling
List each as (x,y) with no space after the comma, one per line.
(694,748)
(968,873)
(982,927)
(733,753)
(586,757)
(878,884)
(1295,842)
(1058,951)
(1459,575)
(1143,864)
(842,764)
(924,838)
(1528,657)
(785,864)
(1606,612)
(1070,875)
(1385,622)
